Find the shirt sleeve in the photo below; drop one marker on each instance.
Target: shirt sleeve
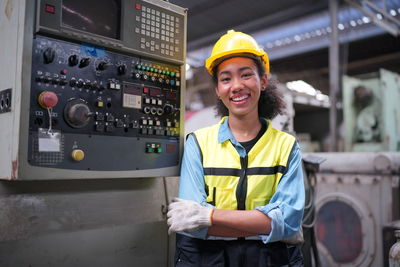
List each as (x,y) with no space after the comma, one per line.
(191,183)
(287,204)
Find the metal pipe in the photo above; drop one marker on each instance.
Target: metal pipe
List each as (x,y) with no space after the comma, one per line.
(334,78)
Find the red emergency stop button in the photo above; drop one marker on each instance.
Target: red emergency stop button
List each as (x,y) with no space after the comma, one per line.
(47,99)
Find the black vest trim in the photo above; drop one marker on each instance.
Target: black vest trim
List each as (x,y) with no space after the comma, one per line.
(249,171)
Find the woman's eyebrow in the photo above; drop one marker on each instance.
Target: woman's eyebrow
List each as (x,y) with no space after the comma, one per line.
(224,72)
(245,68)
(229,72)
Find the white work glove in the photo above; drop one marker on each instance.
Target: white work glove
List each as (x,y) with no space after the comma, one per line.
(187,216)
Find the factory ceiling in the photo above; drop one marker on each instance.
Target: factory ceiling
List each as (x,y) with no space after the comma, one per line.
(296,35)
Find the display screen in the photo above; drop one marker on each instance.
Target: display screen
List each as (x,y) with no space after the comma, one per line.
(101,17)
(155,92)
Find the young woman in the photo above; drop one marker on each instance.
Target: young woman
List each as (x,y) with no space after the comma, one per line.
(241,194)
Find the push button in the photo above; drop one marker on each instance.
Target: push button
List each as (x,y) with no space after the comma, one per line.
(78,155)
(110,128)
(47,99)
(100,127)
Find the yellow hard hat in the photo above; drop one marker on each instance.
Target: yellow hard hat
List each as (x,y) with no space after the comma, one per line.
(233,43)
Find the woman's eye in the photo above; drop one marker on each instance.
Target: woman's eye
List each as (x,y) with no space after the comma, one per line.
(225,79)
(248,74)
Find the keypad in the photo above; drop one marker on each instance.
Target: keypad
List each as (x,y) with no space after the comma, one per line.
(159,32)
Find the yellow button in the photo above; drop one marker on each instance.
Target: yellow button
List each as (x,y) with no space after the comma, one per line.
(100,104)
(78,154)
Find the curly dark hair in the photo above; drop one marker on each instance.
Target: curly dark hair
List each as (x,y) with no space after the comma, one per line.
(271,102)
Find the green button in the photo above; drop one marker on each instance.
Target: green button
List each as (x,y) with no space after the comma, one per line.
(167,72)
(149,150)
(159,150)
(138,67)
(163,72)
(172,74)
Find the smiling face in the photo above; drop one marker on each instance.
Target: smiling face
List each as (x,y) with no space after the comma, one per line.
(239,86)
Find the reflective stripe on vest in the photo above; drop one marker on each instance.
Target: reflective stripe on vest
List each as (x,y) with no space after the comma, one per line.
(233,182)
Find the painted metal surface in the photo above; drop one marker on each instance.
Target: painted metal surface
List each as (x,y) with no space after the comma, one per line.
(86,223)
(371,122)
(367,184)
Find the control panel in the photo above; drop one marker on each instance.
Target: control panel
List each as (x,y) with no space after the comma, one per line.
(150,27)
(93,108)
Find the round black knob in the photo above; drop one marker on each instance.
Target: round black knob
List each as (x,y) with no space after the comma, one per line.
(77,113)
(80,83)
(87,84)
(168,109)
(48,55)
(73,60)
(72,82)
(46,79)
(84,62)
(95,86)
(63,82)
(121,69)
(102,66)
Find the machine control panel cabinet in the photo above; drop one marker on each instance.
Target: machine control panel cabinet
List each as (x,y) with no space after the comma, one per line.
(93,92)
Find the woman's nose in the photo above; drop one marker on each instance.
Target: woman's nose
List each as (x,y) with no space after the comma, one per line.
(237,84)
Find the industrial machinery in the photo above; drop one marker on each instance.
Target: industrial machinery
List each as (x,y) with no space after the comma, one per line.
(357,196)
(92,89)
(371,112)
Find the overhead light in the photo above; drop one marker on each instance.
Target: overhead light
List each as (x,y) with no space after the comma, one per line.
(322,97)
(301,87)
(305,88)
(366,19)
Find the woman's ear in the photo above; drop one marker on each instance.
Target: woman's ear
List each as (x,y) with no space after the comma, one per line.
(264,82)
(216,91)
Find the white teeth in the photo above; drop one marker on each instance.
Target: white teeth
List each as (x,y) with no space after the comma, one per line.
(240,98)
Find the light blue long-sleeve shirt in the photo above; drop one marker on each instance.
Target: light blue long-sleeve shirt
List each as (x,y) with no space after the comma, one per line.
(285,207)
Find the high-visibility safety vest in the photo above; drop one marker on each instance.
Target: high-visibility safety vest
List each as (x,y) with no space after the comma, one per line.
(233,182)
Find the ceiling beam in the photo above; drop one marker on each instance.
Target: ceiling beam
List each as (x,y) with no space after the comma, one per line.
(392,29)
